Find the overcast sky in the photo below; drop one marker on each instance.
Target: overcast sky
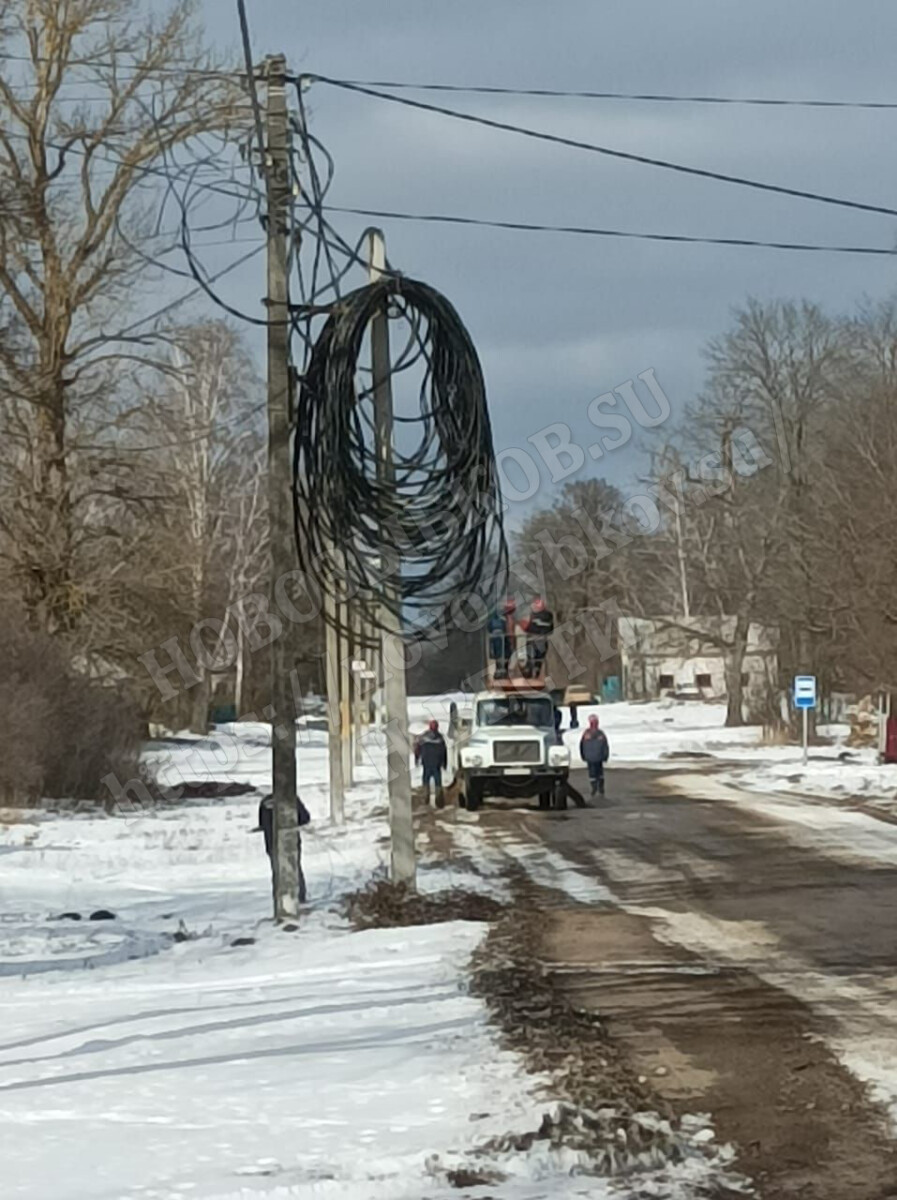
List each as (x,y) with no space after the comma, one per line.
(560,319)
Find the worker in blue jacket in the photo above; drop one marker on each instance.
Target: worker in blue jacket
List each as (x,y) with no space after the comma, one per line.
(594,750)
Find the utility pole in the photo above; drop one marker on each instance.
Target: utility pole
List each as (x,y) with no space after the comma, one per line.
(683,570)
(285,861)
(401,817)
(359,683)
(334,716)
(345,692)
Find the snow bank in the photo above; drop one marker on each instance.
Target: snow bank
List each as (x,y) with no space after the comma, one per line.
(860,778)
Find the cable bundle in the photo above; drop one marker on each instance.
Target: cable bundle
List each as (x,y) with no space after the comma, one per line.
(409,526)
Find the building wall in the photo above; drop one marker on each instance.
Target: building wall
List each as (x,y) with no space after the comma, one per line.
(642,674)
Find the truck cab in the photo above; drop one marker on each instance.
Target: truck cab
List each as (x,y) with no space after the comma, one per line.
(511,749)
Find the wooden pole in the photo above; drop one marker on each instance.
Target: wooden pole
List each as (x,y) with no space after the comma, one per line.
(286,866)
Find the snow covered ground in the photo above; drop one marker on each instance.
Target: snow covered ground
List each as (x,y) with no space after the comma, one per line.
(643,733)
(152,1057)
(860,778)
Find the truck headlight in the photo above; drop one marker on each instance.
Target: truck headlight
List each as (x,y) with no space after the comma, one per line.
(559,756)
(471,760)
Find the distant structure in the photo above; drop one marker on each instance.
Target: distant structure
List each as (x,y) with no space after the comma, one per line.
(662,656)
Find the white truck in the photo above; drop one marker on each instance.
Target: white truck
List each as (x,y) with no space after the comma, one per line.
(510,748)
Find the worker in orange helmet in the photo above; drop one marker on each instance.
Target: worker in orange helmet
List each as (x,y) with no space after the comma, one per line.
(539,629)
(431,753)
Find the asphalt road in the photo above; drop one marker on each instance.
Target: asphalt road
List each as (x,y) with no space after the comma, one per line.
(686,854)
(753,955)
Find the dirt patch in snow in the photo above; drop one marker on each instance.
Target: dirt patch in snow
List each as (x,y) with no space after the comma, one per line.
(383,905)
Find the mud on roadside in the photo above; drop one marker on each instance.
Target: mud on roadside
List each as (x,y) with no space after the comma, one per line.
(596,1108)
(714,1038)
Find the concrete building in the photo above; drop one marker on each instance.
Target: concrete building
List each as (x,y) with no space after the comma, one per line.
(661,655)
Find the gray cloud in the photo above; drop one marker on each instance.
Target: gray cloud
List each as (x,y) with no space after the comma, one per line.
(560,319)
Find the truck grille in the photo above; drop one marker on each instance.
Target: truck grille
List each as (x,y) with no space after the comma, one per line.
(518,752)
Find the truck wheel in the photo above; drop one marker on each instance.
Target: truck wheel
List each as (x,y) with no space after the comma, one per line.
(560,797)
(474,795)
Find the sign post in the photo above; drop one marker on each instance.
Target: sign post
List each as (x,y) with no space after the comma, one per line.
(805,699)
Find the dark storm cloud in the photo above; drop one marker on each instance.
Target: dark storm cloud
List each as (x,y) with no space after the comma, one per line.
(558,319)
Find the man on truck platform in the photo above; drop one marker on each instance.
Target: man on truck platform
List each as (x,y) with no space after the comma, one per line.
(539,628)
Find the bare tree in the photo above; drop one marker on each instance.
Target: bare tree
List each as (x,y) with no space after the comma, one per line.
(100,99)
(205,457)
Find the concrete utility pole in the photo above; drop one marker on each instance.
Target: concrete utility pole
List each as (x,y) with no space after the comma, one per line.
(345,693)
(334,716)
(359,684)
(401,817)
(280,503)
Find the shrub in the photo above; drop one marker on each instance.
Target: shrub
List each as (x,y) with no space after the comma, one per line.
(62,732)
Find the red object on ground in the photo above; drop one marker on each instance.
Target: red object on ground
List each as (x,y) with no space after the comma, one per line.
(891,740)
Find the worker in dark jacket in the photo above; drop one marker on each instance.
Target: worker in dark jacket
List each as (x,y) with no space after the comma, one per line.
(594,750)
(539,629)
(431,753)
(502,638)
(266,826)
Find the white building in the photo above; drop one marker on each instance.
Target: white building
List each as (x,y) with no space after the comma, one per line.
(660,655)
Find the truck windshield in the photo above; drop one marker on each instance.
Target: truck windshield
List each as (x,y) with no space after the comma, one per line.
(516,710)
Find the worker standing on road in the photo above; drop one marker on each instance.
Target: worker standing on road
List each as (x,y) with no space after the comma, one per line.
(431,753)
(594,750)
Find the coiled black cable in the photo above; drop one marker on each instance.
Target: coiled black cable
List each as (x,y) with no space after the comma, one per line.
(413,526)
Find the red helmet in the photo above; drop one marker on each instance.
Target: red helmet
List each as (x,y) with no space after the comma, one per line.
(538,604)
(434,725)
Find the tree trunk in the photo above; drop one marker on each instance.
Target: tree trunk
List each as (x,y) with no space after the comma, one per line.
(238,682)
(199,704)
(734,665)
(50,591)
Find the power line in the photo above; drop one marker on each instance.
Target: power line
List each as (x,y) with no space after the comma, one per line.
(654,97)
(178,301)
(250,75)
(610,152)
(590,231)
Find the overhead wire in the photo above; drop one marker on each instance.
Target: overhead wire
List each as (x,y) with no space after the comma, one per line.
(652,97)
(609,151)
(592,231)
(250,76)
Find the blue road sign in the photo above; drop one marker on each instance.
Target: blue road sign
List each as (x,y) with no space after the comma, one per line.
(804,691)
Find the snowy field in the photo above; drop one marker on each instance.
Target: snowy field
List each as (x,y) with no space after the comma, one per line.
(149,1057)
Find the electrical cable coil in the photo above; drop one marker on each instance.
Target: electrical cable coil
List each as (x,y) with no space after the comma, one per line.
(406,521)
